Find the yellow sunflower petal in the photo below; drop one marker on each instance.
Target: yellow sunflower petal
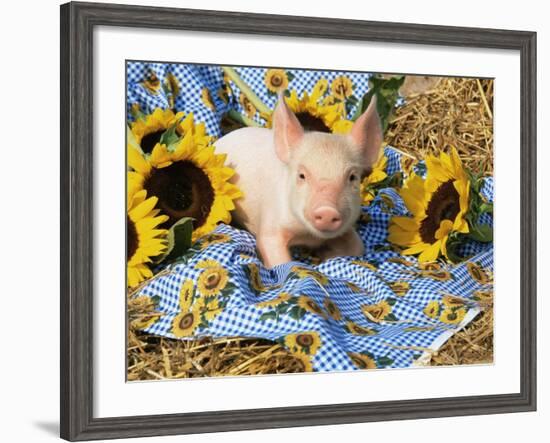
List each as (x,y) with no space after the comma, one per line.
(137,162)
(430,253)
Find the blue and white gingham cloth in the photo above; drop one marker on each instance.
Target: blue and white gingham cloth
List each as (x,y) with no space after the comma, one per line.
(397,340)
(193,79)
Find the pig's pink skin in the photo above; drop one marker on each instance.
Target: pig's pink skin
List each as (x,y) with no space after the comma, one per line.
(289,176)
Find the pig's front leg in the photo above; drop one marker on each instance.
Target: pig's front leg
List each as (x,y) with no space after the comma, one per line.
(348,244)
(273,248)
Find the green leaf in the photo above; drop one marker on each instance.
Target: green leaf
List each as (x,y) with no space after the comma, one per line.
(387,93)
(290,76)
(170,136)
(282,308)
(482,233)
(486,207)
(179,240)
(384,361)
(390,317)
(296,313)
(352,100)
(271,315)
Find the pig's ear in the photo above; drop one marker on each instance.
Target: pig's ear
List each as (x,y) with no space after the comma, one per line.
(287,130)
(366,133)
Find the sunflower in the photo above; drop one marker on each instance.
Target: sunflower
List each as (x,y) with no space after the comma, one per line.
(481,275)
(186,295)
(185,323)
(256,280)
(144,238)
(206,98)
(223,95)
(145,312)
(213,238)
(438,205)
(188,181)
(362,361)
(452,316)
(306,342)
(212,279)
(407,163)
(173,88)
(441,275)
(364,264)
(356,329)
(451,301)
(432,309)
(281,298)
(308,304)
(341,87)
(429,266)
(377,312)
(144,321)
(147,131)
(315,115)
(353,287)
(332,309)
(248,107)
(304,361)
(151,83)
(303,273)
(377,174)
(400,288)
(276,80)
(209,307)
(483,296)
(400,261)
(364,218)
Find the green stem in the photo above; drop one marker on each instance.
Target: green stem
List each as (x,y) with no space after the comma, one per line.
(245,89)
(238,117)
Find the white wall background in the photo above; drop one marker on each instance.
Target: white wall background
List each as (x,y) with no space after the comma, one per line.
(29,239)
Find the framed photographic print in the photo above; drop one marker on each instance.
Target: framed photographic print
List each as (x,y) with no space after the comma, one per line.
(272,221)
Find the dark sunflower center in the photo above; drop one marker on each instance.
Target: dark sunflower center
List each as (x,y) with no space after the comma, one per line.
(304,340)
(212,280)
(313,306)
(183,190)
(376,312)
(132,238)
(149,141)
(444,205)
(312,123)
(186,321)
(276,80)
(341,89)
(358,362)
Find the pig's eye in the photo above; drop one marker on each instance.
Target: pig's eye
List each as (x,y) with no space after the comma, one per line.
(301,176)
(352,177)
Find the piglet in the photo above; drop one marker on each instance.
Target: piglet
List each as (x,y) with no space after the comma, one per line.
(301,188)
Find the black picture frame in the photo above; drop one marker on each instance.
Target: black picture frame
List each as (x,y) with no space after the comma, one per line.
(77,217)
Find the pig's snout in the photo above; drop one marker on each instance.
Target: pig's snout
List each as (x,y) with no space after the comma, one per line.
(326,218)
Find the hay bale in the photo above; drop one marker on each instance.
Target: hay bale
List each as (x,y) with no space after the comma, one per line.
(456,112)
